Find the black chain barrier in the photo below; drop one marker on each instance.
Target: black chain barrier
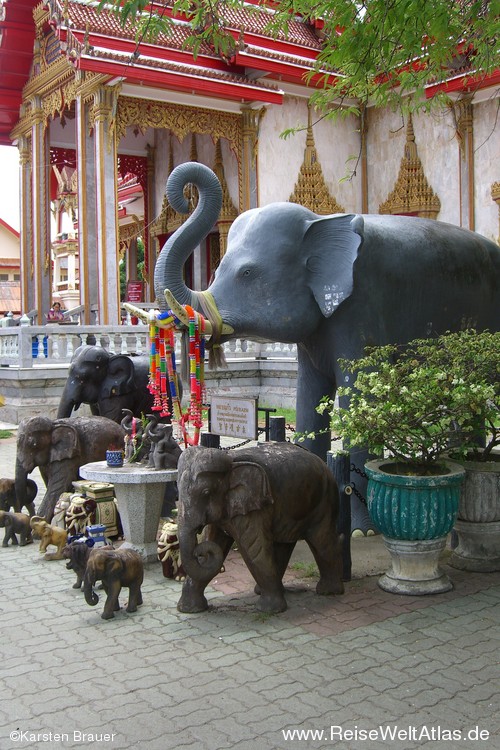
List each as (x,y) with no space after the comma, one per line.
(362,474)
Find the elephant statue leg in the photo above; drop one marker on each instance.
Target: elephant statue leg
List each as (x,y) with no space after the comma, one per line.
(112,604)
(266,573)
(282,553)
(134,597)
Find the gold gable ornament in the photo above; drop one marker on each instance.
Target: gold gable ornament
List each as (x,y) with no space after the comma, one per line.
(310,189)
(412,193)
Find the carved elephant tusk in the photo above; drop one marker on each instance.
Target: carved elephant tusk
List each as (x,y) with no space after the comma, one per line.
(180,312)
(147,316)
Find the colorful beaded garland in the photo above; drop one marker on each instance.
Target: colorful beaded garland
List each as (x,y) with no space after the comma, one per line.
(163,369)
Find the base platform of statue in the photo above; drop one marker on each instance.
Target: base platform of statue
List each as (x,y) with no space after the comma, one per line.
(139,493)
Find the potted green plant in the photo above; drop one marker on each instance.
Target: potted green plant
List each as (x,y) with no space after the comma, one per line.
(477,527)
(410,406)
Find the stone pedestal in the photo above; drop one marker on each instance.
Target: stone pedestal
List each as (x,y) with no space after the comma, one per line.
(415,567)
(478,547)
(139,493)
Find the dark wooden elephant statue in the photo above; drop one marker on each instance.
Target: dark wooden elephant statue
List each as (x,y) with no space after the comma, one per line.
(265,498)
(59,447)
(115,568)
(15,523)
(8,497)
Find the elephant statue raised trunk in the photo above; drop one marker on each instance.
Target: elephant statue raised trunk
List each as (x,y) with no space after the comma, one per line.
(331,284)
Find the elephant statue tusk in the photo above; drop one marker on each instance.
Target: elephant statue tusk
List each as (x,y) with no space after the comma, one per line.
(145,315)
(180,313)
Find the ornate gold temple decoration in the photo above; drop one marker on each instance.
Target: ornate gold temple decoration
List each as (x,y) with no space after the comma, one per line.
(228,211)
(310,189)
(181,121)
(495,194)
(412,193)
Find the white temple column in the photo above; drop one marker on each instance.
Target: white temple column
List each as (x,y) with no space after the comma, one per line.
(465,134)
(107,206)
(41,211)
(27,275)
(250,193)
(87,222)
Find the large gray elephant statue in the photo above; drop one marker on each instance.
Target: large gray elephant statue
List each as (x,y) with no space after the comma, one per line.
(59,447)
(265,498)
(107,382)
(330,284)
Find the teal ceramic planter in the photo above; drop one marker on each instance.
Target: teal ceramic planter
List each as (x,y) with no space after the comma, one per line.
(413,507)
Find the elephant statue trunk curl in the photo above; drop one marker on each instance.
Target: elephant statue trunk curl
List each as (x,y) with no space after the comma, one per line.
(330,284)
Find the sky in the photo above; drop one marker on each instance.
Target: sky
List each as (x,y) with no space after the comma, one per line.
(9,185)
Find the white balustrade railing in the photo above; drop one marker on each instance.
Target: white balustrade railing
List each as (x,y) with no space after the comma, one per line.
(28,346)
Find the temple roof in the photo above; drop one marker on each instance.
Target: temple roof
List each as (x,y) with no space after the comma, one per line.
(97,43)
(260,68)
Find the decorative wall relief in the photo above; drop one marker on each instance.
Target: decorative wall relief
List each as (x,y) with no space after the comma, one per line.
(412,193)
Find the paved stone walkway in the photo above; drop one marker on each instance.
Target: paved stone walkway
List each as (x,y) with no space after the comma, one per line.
(366,670)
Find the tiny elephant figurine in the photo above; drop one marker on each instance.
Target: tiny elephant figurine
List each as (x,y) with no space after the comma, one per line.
(8,497)
(115,568)
(165,450)
(15,523)
(49,535)
(77,552)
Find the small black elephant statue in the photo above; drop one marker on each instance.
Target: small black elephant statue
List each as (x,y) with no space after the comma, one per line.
(107,382)
(8,497)
(15,523)
(265,498)
(165,450)
(115,568)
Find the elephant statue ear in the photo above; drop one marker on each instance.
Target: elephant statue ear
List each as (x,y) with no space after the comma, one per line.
(65,441)
(120,378)
(248,489)
(331,246)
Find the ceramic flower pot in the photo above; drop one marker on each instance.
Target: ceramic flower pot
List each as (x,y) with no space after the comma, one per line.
(114,458)
(478,524)
(414,515)
(413,507)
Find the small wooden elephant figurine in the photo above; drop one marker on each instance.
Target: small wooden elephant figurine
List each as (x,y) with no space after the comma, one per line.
(77,552)
(115,568)
(49,535)
(15,523)
(8,496)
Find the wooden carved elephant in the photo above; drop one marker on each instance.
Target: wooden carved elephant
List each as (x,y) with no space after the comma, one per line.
(115,568)
(15,523)
(49,535)
(265,498)
(59,447)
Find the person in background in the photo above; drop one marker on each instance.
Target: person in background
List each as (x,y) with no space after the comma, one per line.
(55,314)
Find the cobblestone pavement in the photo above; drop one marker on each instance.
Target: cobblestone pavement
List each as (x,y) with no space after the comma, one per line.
(425,669)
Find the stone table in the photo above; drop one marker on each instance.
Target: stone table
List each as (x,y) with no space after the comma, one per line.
(139,493)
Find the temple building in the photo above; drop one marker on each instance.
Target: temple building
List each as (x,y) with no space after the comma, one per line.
(101,118)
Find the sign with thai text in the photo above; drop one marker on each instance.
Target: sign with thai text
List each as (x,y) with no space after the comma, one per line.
(234,417)
(135,291)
